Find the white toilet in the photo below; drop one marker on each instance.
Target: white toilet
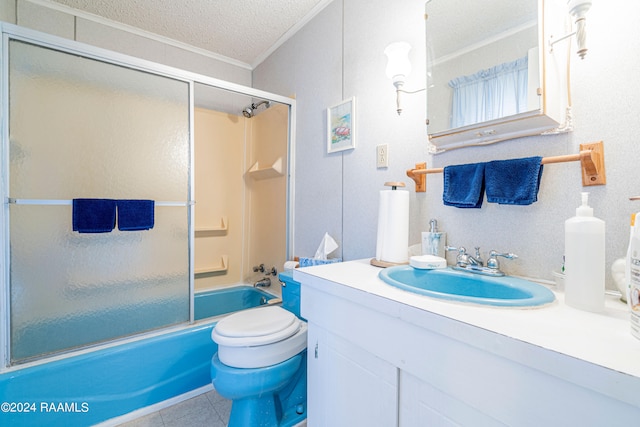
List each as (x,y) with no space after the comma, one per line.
(261,366)
(259,337)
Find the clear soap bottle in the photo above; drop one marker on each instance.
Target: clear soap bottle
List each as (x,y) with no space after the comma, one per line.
(434,241)
(584,250)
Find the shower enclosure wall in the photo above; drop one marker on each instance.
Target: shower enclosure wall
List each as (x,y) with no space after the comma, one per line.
(80,122)
(241,189)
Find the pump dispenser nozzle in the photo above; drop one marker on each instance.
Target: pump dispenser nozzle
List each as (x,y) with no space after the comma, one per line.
(584,209)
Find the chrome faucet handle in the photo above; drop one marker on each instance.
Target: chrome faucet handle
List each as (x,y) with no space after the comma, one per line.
(462,259)
(493,262)
(461,249)
(259,268)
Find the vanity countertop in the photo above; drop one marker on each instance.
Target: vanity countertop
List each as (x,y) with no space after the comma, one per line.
(603,338)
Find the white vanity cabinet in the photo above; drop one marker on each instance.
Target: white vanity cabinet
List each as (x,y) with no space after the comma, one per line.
(349,385)
(379,356)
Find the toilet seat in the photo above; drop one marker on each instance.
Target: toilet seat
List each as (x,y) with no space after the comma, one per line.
(258,326)
(259,337)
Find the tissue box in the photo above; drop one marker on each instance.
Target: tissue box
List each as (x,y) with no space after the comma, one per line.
(307,262)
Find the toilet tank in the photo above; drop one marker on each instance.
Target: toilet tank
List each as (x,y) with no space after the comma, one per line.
(290,292)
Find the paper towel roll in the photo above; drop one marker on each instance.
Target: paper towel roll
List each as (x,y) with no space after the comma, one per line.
(393,226)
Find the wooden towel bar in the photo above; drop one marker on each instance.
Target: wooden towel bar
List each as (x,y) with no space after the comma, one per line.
(591,158)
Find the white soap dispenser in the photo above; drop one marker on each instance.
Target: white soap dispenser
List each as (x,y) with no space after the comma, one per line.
(584,259)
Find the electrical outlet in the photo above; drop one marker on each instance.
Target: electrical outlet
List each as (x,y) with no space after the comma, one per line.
(382,156)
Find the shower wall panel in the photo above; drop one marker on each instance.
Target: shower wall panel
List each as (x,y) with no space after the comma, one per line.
(267,198)
(82,128)
(219,189)
(254,203)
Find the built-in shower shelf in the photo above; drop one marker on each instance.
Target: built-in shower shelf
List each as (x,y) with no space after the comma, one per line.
(273,171)
(215,229)
(224,264)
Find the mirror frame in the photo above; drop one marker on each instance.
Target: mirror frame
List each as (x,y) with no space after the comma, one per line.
(554,114)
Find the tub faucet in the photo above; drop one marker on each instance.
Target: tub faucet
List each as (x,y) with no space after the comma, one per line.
(263,283)
(262,269)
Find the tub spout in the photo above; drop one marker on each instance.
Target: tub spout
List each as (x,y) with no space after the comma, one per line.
(263,283)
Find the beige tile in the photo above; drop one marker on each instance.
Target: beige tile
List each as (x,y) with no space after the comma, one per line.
(198,407)
(151,420)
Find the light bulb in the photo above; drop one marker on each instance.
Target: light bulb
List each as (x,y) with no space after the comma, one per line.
(398,64)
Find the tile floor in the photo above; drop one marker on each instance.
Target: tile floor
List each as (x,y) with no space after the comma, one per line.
(207,409)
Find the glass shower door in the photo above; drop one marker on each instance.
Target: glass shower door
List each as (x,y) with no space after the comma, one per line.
(84,128)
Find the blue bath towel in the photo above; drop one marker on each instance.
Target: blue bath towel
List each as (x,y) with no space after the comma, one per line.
(93,215)
(134,215)
(464,185)
(513,182)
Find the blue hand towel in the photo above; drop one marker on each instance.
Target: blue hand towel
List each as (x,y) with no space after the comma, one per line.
(135,215)
(93,215)
(464,185)
(513,182)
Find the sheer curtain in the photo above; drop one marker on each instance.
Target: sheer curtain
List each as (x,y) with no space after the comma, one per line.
(489,94)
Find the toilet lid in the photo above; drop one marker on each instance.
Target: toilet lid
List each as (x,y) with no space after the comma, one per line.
(260,326)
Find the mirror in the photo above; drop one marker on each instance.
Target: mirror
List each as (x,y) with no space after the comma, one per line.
(489,76)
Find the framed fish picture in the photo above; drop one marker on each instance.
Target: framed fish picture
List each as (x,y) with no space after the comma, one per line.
(341,120)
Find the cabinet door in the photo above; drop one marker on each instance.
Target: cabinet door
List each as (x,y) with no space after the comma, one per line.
(421,405)
(347,385)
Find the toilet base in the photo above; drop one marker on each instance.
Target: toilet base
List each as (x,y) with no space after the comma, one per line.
(283,407)
(254,412)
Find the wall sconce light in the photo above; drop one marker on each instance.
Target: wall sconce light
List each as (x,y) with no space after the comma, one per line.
(578,10)
(398,68)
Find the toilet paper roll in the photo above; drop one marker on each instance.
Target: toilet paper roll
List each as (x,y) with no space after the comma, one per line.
(290,265)
(393,226)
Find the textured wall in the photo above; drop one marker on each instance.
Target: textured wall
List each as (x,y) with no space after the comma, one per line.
(339,54)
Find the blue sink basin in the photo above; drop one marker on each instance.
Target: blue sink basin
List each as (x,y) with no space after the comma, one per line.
(468,287)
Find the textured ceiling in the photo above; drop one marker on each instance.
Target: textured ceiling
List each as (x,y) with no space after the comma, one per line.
(457,24)
(244,30)
(248,30)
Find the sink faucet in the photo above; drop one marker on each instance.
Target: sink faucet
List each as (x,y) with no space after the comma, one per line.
(477,260)
(475,264)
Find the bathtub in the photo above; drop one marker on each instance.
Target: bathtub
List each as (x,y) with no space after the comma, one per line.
(93,387)
(222,301)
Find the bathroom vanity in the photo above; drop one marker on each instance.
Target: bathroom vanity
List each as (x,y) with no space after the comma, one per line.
(382,356)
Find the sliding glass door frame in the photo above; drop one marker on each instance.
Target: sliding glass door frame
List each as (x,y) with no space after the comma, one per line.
(13,32)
